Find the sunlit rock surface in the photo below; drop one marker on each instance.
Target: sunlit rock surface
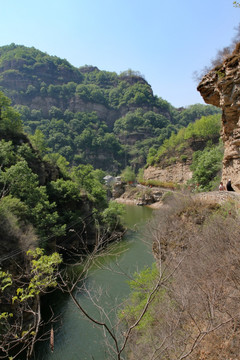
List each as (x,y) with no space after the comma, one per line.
(221,87)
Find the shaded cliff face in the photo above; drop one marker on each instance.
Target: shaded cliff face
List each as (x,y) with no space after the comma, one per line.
(221,87)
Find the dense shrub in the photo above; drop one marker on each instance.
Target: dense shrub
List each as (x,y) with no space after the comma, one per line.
(206,166)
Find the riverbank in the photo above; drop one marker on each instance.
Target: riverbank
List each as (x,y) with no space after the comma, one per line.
(143,196)
(155,205)
(77,335)
(154,197)
(107,281)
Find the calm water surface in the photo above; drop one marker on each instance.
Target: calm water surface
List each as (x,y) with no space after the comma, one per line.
(77,338)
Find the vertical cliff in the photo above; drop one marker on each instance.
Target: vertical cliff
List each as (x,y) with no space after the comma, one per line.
(221,87)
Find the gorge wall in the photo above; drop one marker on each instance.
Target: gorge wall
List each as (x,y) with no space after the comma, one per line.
(221,87)
(177,173)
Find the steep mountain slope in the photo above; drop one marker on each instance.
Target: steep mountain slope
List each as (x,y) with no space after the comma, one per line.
(42,204)
(41,195)
(89,115)
(193,155)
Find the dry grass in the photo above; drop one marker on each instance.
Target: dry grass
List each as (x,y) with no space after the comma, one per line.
(198,244)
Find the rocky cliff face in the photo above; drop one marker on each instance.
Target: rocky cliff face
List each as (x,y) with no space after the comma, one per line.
(178,173)
(221,87)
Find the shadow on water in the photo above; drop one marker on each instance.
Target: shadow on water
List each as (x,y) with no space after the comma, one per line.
(75,337)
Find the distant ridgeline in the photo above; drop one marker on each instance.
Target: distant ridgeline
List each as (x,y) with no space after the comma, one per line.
(87,115)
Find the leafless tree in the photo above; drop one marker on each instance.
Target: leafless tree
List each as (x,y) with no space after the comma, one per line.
(197,245)
(193,301)
(220,56)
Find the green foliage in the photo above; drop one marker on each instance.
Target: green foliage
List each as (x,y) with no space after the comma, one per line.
(208,127)
(23,184)
(205,127)
(128,175)
(172,160)
(65,190)
(194,112)
(159,183)
(5,280)
(43,274)
(151,156)
(128,121)
(88,179)
(183,158)
(112,215)
(140,175)
(20,180)
(141,121)
(4,316)
(26,152)
(41,277)
(92,93)
(10,121)
(58,160)
(173,141)
(7,155)
(141,287)
(49,208)
(66,194)
(31,60)
(137,94)
(206,166)
(39,143)
(13,205)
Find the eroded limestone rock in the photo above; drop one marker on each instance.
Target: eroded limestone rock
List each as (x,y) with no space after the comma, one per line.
(221,87)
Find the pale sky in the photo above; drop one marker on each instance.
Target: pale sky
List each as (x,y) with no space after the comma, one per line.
(165,40)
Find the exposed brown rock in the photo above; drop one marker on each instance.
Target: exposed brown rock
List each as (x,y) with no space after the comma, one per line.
(221,87)
(176,173)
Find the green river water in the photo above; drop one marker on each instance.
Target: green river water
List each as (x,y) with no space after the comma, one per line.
(75,336)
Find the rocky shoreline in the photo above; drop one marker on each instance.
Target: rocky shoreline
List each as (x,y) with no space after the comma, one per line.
(154,197)
(156,205)
(141,195)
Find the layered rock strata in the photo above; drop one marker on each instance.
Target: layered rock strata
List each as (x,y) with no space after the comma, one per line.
(221,87)
(178,173)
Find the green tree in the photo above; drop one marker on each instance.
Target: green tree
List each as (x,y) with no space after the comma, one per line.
(17,335)
(58,160)
(206,166)
(9,119)
(85,176)
(39,143)
(23,184)
(55,112)
(112,215)
(43,274)
(7,155)
(207,126)
(128,175)
(31,90)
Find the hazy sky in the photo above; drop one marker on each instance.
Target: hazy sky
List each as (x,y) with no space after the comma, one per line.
(165,40)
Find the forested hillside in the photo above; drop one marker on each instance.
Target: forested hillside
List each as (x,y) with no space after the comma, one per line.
(43,195)
(88,115)
(43,204)
(196,148)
